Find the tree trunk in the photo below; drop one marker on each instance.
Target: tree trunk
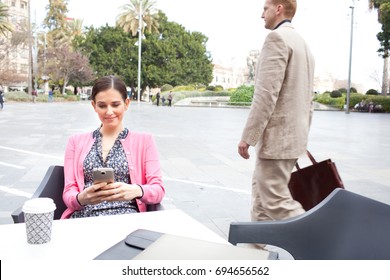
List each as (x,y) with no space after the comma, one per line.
(385,83)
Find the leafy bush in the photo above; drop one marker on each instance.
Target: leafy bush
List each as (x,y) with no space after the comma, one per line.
(69,92)
(71,97)
(166,87)
(210,87)
(183,88)
(218,88)
(376,99)
(372,92)
(325,98)
(336,94)
(198,86)
(21,96)
(242,96)
(17,96)
(344,90)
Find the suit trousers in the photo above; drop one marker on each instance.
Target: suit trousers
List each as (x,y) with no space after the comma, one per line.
(271,197)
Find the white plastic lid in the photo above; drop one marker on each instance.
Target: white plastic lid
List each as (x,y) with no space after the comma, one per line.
(39,205)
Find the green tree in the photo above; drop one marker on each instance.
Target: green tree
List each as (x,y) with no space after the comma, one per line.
(129,18)
(68,67)
(56,14)
(174,56)
(111,51)
(383,9)
(64,64)
(5,25)
(56,22)
(75,28)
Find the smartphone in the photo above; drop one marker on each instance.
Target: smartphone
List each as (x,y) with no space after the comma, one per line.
(100,175)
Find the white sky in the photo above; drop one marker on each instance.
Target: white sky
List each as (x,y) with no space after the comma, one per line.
(235,27)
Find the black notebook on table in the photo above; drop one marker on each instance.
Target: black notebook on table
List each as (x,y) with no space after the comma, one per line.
(131,246)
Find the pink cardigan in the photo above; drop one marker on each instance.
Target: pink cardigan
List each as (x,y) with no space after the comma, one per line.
(144,168)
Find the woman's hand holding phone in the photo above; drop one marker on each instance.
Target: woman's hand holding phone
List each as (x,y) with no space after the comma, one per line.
(117,191)
(105,189)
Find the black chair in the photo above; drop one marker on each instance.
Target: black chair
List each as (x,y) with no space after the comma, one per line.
(52,186)
(344,226)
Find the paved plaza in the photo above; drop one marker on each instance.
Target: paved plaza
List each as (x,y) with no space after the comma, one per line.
(202,171)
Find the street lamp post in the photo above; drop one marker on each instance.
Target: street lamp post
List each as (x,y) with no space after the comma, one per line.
(140,19)
(30,66)
(350,59)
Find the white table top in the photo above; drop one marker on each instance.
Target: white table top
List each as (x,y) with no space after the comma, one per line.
(85,238)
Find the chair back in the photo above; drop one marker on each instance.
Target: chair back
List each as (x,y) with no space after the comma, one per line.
(54,188)
(51,186)
(344,226)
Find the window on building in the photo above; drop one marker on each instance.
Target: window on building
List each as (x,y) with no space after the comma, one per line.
(24,68)
(13,3)
(23,5)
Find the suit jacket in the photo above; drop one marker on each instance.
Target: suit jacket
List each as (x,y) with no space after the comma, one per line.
(281,111)
(142,158)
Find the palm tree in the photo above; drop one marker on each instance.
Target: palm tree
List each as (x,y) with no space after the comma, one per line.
(56,14)
(129,18)
(5,25)
(66,35)
(75,28)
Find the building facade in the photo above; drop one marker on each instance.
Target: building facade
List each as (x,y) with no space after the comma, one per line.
(228,76)
(14,57)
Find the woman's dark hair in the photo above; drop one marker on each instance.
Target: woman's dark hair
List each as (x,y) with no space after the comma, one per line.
(108,82)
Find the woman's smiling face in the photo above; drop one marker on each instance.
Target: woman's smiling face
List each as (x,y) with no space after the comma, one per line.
(110,107)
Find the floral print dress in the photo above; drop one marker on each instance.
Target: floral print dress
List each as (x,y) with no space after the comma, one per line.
(117,160)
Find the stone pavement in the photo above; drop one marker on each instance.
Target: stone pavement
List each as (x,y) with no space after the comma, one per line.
(203,174)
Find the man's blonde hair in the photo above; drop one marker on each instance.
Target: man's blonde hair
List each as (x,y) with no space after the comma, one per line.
(290,6)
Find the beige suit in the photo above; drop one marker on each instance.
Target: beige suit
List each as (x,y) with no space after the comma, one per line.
(279,120)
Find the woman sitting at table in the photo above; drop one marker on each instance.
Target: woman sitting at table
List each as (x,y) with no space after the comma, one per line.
(133,156)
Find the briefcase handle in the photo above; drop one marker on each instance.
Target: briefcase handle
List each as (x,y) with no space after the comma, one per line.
(310,157)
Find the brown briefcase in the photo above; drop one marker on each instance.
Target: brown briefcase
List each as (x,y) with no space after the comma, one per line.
(311,184)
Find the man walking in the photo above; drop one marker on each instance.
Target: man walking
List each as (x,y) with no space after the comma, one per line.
(158,98)
(279,120)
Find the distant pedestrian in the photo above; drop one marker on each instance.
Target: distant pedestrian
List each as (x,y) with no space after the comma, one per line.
(170,97)
(162,100)
(129,93)
(158,98)
(34,94)
(51,93)
(370,107)
(1,100)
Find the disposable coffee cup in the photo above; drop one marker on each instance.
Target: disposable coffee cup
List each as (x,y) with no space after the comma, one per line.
(38,217)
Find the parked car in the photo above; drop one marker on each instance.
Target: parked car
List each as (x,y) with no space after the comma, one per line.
(84,96)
